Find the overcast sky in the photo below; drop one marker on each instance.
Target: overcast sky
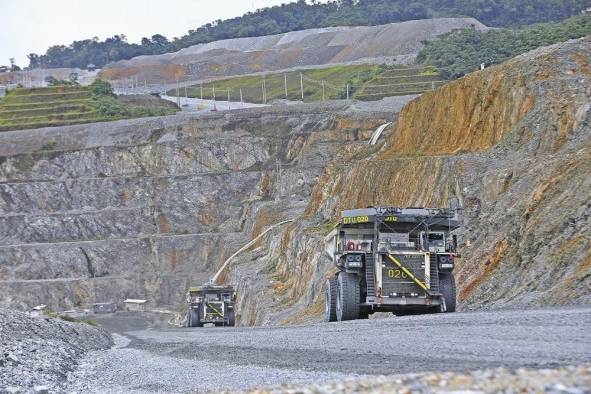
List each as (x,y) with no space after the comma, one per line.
(33,25)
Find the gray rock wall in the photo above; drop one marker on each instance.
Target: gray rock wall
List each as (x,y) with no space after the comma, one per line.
(145,208)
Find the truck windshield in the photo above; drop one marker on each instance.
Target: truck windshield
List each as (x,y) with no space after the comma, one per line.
(436,239)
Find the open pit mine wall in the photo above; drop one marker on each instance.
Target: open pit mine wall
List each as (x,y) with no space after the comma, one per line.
(513,145)
(144,208)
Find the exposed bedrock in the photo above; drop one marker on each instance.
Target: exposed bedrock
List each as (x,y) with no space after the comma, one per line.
(143,209)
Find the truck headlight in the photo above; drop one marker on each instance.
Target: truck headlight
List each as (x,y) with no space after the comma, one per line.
(354,261)
(446,262)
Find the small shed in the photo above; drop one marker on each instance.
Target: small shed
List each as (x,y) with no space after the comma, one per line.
(104,307)
(132,304)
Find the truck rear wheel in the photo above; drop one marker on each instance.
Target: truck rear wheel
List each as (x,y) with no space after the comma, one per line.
(447,286)
(230,319)
(330,299)
(347,307)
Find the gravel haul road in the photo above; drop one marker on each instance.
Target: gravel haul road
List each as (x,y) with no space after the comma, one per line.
(188,360)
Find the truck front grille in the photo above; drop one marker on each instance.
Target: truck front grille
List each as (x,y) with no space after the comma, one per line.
(395,281)
(214,311)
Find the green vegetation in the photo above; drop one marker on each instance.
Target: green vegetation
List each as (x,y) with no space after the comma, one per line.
(460,52)
(64,105)
(301,15)
(365,82)
(69,318)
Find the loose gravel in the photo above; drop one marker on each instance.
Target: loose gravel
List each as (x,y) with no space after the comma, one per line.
(189,360)
(569,380)
(36,353)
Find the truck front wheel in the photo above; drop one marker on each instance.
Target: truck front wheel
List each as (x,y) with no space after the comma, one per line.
(194,318)
(348,296)
(447,286)
(330,299)
(230,318)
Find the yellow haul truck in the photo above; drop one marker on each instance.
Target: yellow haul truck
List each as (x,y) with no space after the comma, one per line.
(211,304)
(397,260)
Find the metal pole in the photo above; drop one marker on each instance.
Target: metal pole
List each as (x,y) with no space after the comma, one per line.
(302,85)
(285,84)
(178,93)
(323,90)
(347,92)
(201,87)
(214,92)
(228,98)
(186,95)
(241,95)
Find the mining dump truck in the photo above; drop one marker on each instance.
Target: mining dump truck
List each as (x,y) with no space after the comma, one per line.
(211,304)
(397,260)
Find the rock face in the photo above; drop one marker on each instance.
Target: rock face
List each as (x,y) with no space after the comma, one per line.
(396,42)
(144,208)
(513,145)
(37,352)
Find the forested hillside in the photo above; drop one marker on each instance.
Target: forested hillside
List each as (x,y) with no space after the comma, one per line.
(462,51)
(301,15)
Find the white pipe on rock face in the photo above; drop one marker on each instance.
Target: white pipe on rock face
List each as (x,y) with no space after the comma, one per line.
(248,245)
(376,135)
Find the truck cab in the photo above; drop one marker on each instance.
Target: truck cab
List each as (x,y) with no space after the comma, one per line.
(397,260)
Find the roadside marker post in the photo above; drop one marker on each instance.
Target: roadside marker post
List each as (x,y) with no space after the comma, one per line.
(302,85)
(285,84)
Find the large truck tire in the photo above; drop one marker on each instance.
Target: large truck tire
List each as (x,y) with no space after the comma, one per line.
(348,297)
(330,299)
(230,319)
(194,318)
(447,286)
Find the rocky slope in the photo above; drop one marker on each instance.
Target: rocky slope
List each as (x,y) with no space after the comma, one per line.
(392,43)
(36,353)
(513,145)
(143,208)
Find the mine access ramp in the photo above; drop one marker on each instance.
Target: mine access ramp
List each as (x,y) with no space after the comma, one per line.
(211,304)
(391,259)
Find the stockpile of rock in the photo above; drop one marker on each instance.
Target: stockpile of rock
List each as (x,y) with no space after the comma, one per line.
(36,353)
